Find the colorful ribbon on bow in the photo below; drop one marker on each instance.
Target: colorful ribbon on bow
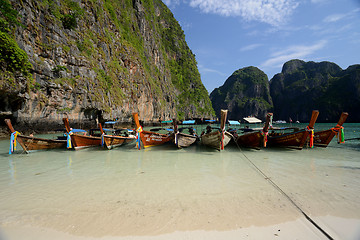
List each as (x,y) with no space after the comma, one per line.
(138,140)
(341,137)
(339,131)
(102,139)
(222,138)
(13,141)
(68,140)
(265,135)
(311,143)
(176,138)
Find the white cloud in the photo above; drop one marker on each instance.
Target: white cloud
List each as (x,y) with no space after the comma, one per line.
(337,17)
(250,47)
(277,59)
(273,12)
(204,70)
(334,18)
(171,3)
(318,1)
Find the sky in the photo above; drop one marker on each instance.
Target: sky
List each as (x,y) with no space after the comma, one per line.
(227,35)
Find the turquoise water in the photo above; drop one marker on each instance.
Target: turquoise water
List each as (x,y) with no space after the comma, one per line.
(124,191)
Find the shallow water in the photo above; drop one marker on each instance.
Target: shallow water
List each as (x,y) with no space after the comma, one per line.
(124,191)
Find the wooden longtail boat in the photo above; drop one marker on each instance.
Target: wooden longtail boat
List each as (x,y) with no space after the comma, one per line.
(111,141)
(150,138)
(295,139)
(323,138)
(29,143)
(255,139)
(182,139)
(79,141)
(218,138)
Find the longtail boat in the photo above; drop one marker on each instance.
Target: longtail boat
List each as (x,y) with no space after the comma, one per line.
(79,141)
(323,138)
(120,138)
(255,139)
(183,139)
(296,139)
(149,138)
(217,138)
(30,143)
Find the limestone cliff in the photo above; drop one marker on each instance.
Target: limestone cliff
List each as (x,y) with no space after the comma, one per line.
(246,92)
(300,88)
(97,59)
(304,86)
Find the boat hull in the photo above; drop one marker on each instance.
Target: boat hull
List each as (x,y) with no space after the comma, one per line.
(33,143)
(150,139)
(116,141)
(255,139)
(184,140)
(323,138)
(291,140)
(213,139)
(250,140)
(83,141)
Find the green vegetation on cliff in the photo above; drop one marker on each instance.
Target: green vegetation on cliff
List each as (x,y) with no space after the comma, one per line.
(14,61)
(183,67)
(304,86)
(115,56)
(245,92)
(300,88)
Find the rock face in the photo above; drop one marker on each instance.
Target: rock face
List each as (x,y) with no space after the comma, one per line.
(246,92)
(304,86)
(300,88)
(100,59)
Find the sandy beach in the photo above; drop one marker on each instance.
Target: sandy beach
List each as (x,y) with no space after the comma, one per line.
(194,193)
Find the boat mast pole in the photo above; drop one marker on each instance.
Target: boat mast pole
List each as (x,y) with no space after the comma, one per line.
(66,123)
(267,123)
(342,119)
(314,115)
(136,119)
(10,126)
(101,129)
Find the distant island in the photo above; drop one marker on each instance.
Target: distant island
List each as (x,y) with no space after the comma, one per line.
(292,94)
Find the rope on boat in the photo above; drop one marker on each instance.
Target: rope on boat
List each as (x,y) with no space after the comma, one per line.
(286,195)
(339,132)
(348,139)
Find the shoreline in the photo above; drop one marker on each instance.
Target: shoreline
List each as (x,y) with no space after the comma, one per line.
(300,228)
